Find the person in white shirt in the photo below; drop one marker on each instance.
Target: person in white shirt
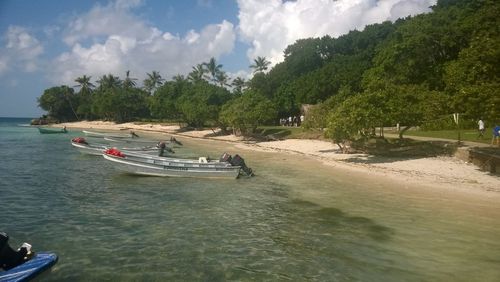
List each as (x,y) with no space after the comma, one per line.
(480,123)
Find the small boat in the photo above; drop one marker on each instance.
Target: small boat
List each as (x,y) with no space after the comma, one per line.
(142,164)
(22,264)
(98,149)
(47,130)
(171,141)
(109,134)
(30,269)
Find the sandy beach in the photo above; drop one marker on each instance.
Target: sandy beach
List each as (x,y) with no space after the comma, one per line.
(439,172)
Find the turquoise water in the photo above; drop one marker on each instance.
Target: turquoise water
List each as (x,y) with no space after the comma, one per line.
(297,220)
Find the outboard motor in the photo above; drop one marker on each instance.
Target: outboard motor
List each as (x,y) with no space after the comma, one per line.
(175,141)
(10,258)
(162,147)
(238,161)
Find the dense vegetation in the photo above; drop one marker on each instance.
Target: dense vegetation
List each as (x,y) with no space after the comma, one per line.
(416,71)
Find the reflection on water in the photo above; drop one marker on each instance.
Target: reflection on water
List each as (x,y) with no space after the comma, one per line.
(297,220)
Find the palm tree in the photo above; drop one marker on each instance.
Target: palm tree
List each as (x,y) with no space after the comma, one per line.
(260,64)
(222,78)
(153,81)
(86,89)
(129,82)
(84,84)
(179,78)
(238,84)
(213,69)
(197,73)
(109,82)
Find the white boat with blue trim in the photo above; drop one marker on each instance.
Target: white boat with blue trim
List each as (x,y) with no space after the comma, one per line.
(143,164)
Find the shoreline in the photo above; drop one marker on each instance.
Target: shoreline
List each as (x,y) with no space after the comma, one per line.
(448,173)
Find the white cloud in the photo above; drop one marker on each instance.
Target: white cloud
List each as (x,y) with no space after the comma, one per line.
(113,19)
(22,50)
(128,4)
(3,65)
(269,26)
(139,50)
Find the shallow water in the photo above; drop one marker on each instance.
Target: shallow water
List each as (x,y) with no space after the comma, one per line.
(296,220)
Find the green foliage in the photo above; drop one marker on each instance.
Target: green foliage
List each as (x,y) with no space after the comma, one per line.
(416,72)
(163,104)
(317,116)
(60,102)
(153,81)
(408,105)
(260,64)
(247,112)
(473,79)
(120,104)
(200,103)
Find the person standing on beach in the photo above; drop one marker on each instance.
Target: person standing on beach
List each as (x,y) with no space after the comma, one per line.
(480,123)
(496,135)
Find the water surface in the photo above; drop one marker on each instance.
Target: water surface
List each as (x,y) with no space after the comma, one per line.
(297,220)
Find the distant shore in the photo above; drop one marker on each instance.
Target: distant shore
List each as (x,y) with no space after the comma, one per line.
(443,172)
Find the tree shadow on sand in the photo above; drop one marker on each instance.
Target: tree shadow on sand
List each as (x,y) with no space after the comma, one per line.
(380,150)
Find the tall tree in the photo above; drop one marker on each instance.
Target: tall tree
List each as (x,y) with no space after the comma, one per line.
(197,74)
(84,83)
(179,78)
(213,69)
(153,81)
(85,98)
(59,102)
(238,85)
(222,79)
(260,64)
(129,82)
(109,81)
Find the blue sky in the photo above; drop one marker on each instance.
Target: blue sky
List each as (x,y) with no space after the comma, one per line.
(52,42)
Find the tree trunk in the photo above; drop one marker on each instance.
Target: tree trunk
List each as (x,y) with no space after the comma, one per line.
(403,131)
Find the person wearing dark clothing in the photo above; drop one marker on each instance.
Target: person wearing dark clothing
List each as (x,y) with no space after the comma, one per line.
(10,258)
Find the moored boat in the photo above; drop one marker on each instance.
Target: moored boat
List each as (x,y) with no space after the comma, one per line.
(109,134)
(46,130)
(142,164)
(98,149)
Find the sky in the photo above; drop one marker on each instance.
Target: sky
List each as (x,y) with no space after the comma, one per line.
(52,42)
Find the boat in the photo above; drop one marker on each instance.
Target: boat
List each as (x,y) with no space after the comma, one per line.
(22,264)
(142,164)
(98,149)
(172,141)
(39,263)
(46,130)
(109,134)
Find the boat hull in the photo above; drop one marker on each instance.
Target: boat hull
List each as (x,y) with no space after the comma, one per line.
(169,168)
(105,134)
(98,150)
(51,131)
(30,269)
(89,150)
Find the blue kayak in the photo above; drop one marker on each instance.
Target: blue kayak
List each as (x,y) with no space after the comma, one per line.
(30,269)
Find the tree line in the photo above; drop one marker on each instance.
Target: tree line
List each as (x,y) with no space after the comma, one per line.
(415,71)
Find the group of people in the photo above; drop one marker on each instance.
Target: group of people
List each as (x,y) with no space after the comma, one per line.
(496,132)
(292,121)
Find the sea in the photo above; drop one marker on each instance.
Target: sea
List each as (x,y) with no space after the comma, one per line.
(297,219)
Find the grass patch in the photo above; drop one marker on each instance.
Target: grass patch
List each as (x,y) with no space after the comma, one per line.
(452,135)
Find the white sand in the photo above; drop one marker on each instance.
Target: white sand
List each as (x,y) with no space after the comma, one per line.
(443,172)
